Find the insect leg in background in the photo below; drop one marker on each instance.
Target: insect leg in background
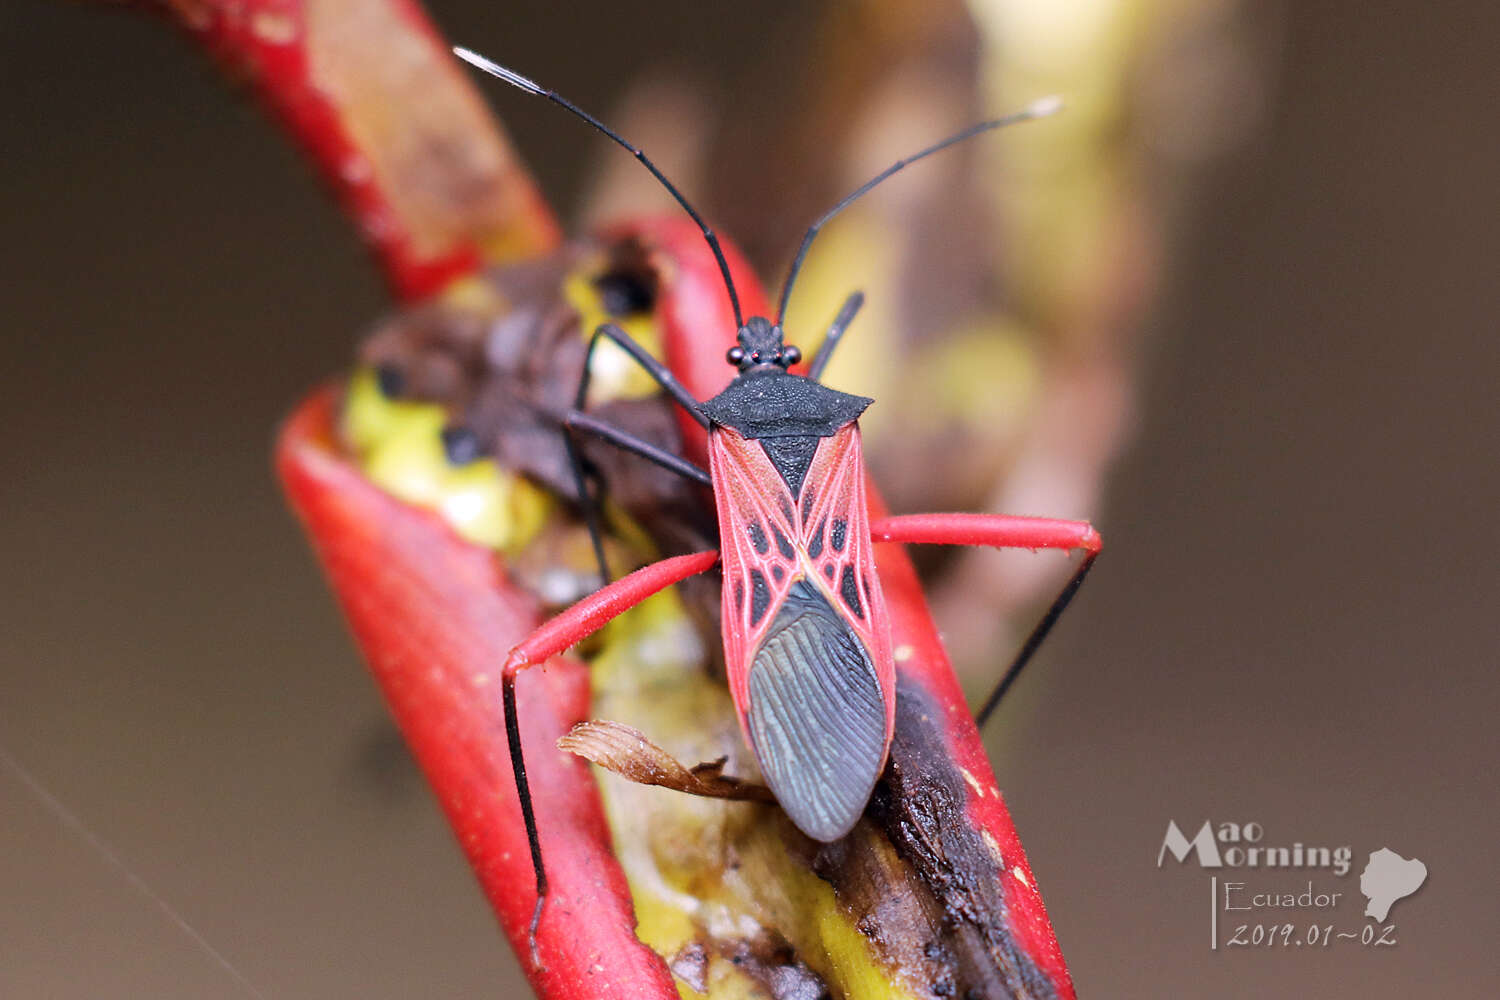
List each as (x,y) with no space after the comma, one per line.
(834,335)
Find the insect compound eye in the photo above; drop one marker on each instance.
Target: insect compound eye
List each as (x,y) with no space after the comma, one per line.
(790,355)
(735,355)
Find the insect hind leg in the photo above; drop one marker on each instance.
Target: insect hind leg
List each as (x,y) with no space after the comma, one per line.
(1004,532)
(1034,640)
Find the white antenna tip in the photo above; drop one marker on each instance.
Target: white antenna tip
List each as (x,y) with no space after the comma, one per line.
(1045,106)
(493,68)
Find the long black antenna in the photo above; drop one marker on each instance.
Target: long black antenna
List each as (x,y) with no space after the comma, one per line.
(1037,109)
(531,87)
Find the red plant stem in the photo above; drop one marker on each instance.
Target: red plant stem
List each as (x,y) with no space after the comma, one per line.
(435,617)
(373,97)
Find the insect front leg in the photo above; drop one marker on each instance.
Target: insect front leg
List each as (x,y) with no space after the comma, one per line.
(566,629)
(1002,531)
(577,419)
(588,424)
(658,371)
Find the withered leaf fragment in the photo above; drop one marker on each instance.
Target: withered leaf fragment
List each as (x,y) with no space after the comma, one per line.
(625,750)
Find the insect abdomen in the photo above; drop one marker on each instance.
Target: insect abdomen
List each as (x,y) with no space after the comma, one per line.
(816,715)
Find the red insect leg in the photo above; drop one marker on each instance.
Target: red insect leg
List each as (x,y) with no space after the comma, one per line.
(997,530)
(599,608)
(1007,532)
(571,626)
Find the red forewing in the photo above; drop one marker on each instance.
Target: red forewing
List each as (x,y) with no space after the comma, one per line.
(758,540)
(816,547)
(836,534)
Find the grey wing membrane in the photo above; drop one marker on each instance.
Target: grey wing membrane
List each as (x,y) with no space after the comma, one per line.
(816,715)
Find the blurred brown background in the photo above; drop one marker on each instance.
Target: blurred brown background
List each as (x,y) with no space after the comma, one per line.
(1294,622)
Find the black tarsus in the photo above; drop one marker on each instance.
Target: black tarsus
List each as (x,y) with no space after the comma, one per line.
(835,334)
(1034,641)
(1036,110)
(523,791)
(532,87)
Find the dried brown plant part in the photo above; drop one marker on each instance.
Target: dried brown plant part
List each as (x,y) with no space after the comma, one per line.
(625,751)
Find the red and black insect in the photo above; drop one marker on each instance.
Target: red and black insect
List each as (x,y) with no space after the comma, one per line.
(806,641)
